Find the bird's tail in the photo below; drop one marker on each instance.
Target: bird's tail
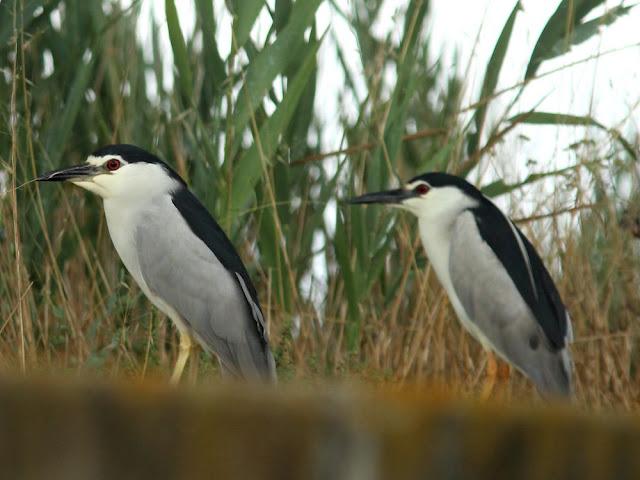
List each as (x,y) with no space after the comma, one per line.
(250,362)
(272,374)
(556,379)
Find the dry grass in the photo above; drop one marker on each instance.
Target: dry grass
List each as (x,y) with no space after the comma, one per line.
(378,314)
(97,322)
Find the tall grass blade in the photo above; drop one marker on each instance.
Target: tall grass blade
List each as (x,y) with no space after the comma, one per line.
(491,77)
(180,56)
(214,66)
(349,277)
(249,168)
(550,118)
(245,13)
(499,187)
(60,131)
(402,94)
(25,17)
(585,31)
(559,28)
(269,63)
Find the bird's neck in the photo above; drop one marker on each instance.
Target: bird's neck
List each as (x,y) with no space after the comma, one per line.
(436,240)
(123,218)
(122,213)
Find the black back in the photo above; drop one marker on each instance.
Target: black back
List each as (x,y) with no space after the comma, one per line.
(207,229)
(495,229)
(546,306)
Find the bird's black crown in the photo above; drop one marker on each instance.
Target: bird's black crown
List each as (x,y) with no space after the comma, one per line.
(133,154)
(439,179)
(130,153)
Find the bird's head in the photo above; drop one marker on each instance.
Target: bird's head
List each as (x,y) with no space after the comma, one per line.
(123,171)
(429,196)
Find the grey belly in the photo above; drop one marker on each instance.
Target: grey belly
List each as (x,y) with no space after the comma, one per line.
(183,273)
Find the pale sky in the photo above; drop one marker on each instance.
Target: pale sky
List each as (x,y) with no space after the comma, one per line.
(606,88)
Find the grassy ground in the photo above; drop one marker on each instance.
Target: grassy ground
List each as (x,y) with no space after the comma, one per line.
(348,298)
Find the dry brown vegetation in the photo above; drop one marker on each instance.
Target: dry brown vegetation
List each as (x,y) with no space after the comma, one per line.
(67,304)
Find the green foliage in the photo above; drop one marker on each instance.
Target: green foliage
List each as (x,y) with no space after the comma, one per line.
(243,129)
(180,56)
(550,118)
(249,167)
(565,29)
(491,76)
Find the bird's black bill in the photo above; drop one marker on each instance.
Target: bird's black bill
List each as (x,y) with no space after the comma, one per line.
(71,173)
(388,196)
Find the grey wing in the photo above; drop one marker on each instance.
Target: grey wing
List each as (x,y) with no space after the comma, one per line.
(497,311)
(212,301)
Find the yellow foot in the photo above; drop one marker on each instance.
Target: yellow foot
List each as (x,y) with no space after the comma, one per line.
(183,356)
(504,372)
(497,375)
(490,380)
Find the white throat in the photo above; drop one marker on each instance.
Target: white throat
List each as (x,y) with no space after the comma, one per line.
(437,214)
(436,240)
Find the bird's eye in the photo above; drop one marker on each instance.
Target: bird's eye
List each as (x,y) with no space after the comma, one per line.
(421,189)
(112,164)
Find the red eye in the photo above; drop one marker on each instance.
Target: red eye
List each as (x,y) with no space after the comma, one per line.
(113,164)
(422,189)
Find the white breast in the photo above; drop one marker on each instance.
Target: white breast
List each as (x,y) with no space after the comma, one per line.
(122,221)
(436,239)
(123,216)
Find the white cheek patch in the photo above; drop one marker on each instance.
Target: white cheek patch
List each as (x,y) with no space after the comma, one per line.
(101,179)
(91,186)
(401,206)
(411,204)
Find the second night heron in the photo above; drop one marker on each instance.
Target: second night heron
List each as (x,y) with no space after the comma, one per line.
(495,279)
(179,256)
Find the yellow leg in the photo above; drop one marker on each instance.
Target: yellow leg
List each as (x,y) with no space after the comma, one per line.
(504,371)
(183,356)
(492,373)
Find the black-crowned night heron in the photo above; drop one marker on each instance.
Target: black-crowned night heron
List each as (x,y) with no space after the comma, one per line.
(179,256)
(495,279)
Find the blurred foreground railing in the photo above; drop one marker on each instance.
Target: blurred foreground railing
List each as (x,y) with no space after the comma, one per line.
(230,432)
